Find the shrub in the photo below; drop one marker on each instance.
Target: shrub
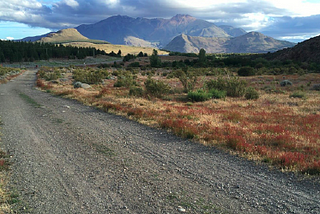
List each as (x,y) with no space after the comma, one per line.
(125,80)
(285,83)
(187,78)
(233,86)
(136,91)
(217,94)
(134,65)
(156,88)
(251,94)
(316,87)
(90,76)
(199,96)
(298,94)
(246,71)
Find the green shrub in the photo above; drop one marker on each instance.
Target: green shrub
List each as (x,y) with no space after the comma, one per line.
(134,65)
(90,76)
(199,96)
(285,83)
(217,94)
(125,81)
(298,94)
(136,91)
(246,71)
(156,88)
(251,94)
(233,86)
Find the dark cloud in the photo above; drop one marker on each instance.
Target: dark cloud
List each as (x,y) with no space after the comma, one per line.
(288,26)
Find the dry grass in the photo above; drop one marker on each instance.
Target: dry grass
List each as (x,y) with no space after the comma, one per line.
(115,48)
(275,128)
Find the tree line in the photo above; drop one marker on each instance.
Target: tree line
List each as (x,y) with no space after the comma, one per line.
(11,51)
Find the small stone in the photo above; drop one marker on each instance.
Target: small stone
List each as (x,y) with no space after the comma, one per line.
(181,209)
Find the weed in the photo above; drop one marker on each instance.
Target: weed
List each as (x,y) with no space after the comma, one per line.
(29,100)
(298,94)
(104,149)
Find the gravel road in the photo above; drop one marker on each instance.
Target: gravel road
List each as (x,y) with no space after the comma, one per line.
(70,158)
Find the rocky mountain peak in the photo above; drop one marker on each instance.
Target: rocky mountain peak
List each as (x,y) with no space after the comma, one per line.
(182,19)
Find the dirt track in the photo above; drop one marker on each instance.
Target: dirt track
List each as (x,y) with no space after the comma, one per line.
(70,158)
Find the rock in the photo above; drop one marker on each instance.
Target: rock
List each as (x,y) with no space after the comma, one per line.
(181,209)
(77,85)
(85,86)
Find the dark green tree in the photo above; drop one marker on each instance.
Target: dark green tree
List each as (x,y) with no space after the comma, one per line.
(202,58)
(155,61)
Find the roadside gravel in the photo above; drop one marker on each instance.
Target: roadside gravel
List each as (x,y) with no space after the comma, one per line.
(70,158)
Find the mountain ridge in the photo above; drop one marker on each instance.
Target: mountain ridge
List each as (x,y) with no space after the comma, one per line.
(114,29)
(252,42)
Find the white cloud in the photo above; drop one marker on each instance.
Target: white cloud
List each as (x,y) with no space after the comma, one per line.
(71,3)
(9,38)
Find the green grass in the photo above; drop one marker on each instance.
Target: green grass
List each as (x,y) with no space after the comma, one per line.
(29,100)
(104,149)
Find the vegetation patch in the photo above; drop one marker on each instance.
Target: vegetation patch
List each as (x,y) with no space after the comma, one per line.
(264,125)
(29,100)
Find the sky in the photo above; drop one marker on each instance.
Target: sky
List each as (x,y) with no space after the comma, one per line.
(291,20)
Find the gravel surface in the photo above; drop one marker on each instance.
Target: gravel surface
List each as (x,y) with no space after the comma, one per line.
(70,158)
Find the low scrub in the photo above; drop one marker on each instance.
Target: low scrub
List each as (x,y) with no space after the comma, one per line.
(251,94)
(298,94)
(234,86)
(90,76)
(199,96)
(156,88)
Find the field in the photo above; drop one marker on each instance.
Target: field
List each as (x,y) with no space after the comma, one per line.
(279,127)
(115,48)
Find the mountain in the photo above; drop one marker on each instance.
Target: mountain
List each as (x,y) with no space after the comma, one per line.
(192,44)
(306,51)
(33,38)
(252,42)
(234,32)
(136,42)
(64,35)
(116,28)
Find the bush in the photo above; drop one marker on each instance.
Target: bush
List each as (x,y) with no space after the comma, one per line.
(217,94)
(136,91)
(298,94)
(156,88)
(246,71)
(251,94)
(134,65)
(90,76)
(285,83)
(199,96)
(233,86)
(316,87)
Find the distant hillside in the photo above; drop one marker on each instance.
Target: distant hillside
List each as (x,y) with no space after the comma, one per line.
(136,42)
(65,36)
(116,28)
(234,32)
(307,51)
(252,42)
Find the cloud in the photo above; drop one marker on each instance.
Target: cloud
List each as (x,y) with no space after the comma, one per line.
(293,28)
(270,16)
